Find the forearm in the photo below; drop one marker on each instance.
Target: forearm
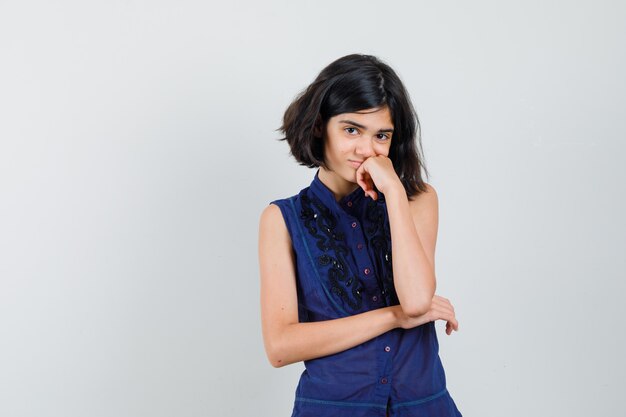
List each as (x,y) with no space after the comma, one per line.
(304,341)
(413,275)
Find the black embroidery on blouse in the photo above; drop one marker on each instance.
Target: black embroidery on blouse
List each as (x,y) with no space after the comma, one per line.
(379,237)
(322,225)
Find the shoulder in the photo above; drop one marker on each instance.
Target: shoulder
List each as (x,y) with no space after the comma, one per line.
(271,217)
(274,235)
(277,219)
(281,212)
(425,201)
(270,211)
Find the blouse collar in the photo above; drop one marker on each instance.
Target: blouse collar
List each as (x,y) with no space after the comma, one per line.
(328,197)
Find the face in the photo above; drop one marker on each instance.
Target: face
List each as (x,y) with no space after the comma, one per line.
(351,138)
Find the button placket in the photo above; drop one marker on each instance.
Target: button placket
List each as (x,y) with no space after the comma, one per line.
(360,245)
(361,256)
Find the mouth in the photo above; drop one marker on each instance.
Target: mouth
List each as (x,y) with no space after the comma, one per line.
(356,164)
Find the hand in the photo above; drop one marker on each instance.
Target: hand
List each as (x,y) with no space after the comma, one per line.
(377,170)
(440,309)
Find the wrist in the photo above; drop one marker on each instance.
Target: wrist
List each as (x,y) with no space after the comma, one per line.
(396,195)
(395,189)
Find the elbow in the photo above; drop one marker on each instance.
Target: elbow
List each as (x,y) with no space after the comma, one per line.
(417,309)
(276,357)
(419,305)
(278,348)
(276,361)
(279,361)
(414,312)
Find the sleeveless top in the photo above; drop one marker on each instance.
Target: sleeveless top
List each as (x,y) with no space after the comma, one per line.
(343,264)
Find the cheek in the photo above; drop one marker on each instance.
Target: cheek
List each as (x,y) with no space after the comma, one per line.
(342,149)
(335,152)
(382,150)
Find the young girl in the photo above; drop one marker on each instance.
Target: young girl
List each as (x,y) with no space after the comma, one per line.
(348,264)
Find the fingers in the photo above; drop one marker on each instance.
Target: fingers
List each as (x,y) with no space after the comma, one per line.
(442,302)
(365,182)
(443,309)
(452,325)
(360,178)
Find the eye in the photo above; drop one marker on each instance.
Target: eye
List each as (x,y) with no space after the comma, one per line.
(347,128)
(384,137)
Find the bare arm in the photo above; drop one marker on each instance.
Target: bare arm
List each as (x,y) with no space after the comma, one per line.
(413,234)
(287,340)
(303,341)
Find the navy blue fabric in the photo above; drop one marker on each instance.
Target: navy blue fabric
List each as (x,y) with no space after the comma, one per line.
(343,264)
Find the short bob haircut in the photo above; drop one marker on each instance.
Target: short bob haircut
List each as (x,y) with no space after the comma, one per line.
(354,83)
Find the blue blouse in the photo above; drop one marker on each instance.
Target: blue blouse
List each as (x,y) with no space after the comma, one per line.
(343,263)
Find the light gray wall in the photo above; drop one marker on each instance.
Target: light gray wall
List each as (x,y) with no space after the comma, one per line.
(137,150)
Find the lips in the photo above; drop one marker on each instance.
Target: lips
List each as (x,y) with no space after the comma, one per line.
(356,164)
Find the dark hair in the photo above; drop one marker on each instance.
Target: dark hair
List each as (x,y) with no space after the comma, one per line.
(349,84)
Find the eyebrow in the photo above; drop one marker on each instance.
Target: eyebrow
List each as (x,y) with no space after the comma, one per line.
(363,127)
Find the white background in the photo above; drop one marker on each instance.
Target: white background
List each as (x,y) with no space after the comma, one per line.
(138,149)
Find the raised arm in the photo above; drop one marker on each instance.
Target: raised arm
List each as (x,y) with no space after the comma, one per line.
(413,227)
(286,340)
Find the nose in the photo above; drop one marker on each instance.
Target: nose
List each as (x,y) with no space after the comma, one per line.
(365,147)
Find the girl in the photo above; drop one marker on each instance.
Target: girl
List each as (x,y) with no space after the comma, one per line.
(347,264)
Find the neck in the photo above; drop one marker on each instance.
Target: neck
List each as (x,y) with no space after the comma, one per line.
(339,186)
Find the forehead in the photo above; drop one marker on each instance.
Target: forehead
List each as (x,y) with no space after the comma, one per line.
(379,117)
